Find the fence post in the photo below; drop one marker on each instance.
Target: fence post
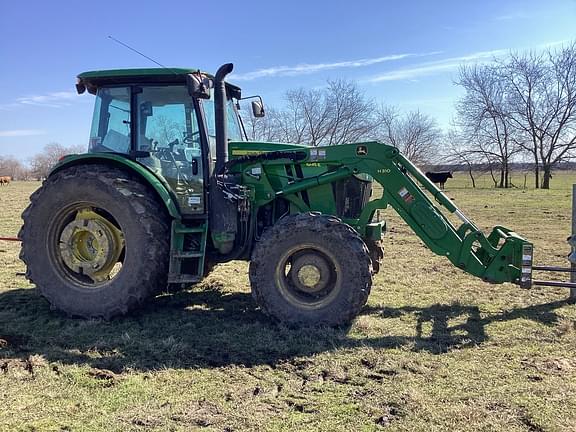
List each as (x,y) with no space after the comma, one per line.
(572,264)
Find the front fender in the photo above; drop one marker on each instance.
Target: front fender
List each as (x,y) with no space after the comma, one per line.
(158,184)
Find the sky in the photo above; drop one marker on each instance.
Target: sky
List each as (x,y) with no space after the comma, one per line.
(403,53)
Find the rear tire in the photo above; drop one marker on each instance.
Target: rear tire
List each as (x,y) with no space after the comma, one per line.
(95,241)
(311,269)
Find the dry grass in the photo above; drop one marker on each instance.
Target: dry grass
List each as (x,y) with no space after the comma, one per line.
(434,349)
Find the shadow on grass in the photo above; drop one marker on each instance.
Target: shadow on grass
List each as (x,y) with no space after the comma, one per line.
(443,337)
(212,328)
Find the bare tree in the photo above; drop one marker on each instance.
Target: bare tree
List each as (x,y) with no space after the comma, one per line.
(458,152)
(310,113)
(164,130)
(542,97)
(266,129)
(12,167)
(336,114)
(350,113)
(483,118)
(292,122)
(42,163)
(414,133)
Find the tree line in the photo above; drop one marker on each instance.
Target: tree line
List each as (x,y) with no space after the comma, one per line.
(39,165)
(340,113)
(517,108)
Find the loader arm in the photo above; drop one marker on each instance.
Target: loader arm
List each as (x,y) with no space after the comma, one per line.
(502,256)
(498,257)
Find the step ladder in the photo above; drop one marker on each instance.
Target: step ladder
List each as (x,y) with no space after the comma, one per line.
(187,252)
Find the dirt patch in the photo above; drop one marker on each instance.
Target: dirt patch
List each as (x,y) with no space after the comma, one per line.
(518,413)
(529,423)
(106,377)
(565,326)
(146,421)
(559,364)
(550,366)
(337,374)
(301,406)
(200,413)
(22,369)
(391,413)
(141,419)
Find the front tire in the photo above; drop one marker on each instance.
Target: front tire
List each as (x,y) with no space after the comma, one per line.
(311,269)
(95,241)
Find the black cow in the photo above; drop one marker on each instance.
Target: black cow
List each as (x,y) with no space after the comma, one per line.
(439,177)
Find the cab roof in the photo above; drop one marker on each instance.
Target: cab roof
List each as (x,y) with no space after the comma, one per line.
(176,74)
(91,80)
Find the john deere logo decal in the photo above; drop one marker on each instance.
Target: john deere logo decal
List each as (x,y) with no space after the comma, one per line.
(361,150)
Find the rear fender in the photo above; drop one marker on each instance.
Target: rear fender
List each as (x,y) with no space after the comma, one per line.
(158,184)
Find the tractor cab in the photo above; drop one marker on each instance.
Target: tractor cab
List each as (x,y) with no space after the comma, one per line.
(158,118)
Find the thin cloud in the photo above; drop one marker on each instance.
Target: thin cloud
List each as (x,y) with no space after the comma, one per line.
(52,100)
(450,64)
(9,106)
(554,43)
(520,15)
(305,68)
(48,100)
(431,68)
(21,132)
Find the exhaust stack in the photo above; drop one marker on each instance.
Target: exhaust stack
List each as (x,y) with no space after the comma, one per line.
(220,115)
(223,211)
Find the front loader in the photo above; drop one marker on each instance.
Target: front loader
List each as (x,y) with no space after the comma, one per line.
(170,187)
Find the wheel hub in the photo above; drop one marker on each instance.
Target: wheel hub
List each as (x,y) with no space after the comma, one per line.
(91,245)
(310,273)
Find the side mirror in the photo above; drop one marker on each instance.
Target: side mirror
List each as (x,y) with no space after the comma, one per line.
(257,109)
(198,86)
(80,86)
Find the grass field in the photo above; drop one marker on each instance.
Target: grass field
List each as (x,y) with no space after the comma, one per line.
(434,349)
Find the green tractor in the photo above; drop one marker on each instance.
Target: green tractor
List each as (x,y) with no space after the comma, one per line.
(170,187)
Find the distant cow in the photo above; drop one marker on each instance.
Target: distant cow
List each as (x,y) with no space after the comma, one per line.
(5,180)
(439,177)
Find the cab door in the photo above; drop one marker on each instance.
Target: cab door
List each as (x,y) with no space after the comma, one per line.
(167,129)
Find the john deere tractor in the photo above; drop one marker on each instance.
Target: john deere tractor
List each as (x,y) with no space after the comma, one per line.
(170,187)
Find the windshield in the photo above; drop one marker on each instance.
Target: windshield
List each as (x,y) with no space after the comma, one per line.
(234,129)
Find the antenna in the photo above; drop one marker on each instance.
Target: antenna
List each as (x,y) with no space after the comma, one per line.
(143,55)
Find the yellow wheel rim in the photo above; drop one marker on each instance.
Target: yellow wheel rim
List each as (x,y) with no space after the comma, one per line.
(308,276)
(91,245)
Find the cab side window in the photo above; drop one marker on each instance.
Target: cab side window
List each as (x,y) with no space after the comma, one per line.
(111,123)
